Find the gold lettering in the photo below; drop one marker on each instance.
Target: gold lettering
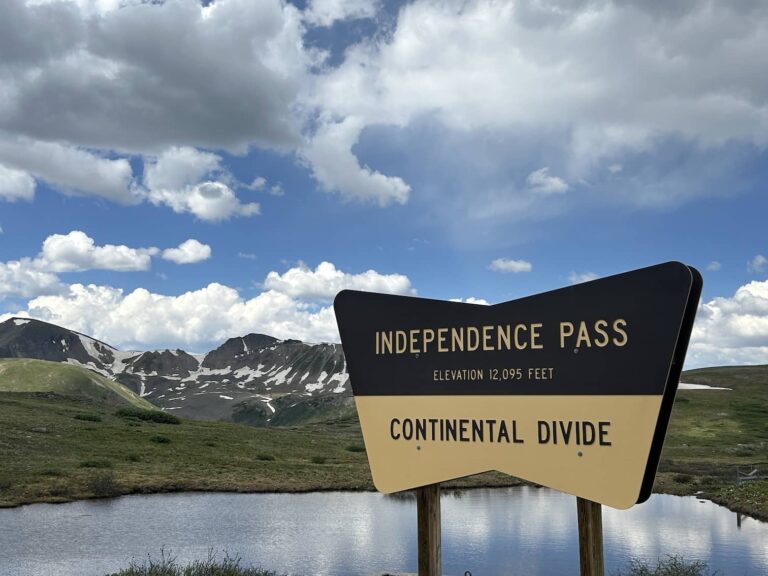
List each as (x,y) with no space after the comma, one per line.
(429,337)
(583,335)
(518,344)
(565,334)
(503,334)
(441,338)
(487,344)
(535,345)
(457,337)
(412,340)
(401,341)
(601,342)
(386,342)
(473,344)
(625,338)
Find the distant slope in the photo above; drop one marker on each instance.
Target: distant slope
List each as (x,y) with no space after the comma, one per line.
(42,376)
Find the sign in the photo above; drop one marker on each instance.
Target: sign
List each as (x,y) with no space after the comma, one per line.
(571,389)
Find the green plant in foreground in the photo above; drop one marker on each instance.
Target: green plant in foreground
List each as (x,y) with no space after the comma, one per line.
(148,415)
(670,566)
(168,566)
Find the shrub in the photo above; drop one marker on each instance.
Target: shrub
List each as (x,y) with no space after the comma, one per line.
(148,415)
(318,459)
(168,566)
(671,566)
(103,484)
(682,478)
(95,464)
(133,458)
(355,448)
(158,439)
(5,484)
(266,457)
(51,472)
(88,417)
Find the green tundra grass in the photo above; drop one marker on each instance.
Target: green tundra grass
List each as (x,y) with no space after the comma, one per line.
(60,443)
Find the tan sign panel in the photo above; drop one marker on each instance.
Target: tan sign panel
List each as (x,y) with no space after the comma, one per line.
(571,389)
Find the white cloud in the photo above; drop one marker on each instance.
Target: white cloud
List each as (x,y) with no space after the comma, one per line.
(16,185)
(541,182)
(329,155)
(326,12)
(247,255)
(325,281)
(732,330)
(580,277)
(180,179)
(188,252)
(714,266)
(201,319)
(70,169)
(506,265)
(23,278)
(210,201)
(151,75)
(559,76)
(179,167)
(76,252)
(757,265)
(472,300)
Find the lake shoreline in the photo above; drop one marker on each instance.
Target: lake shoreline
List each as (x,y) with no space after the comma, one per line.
(730,498)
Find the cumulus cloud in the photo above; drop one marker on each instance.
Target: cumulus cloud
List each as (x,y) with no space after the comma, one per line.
(541,182)
(200,319)
(335,167)
(732,330)
(325,281)
(472,300)
(16,185)
(188,252)
(580,277)
(714,266)
(598,84)
(757,265)
(506,265)
(76,252)
(23,278)
(146,76)
(181,178)
(70,169)
(326,12)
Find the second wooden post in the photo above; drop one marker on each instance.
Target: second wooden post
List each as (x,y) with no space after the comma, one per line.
(428,514)
(590,537)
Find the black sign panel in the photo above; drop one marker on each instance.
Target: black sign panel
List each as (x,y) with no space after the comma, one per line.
(621,337)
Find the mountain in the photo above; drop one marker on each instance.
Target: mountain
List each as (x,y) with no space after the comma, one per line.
(254,379)
(45,377)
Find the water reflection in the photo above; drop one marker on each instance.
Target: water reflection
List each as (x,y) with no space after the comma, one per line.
(489,532)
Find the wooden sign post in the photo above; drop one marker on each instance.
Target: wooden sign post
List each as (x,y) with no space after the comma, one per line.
(590,537)
(571,389)
(428,520)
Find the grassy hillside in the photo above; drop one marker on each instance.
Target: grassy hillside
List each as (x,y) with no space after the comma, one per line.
(42,377)
(714,432)
(58,447)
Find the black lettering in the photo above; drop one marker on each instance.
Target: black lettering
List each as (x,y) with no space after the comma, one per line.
(588,435)
(463,426)
(503,431)
(450,429)
(543,433)
(392,429)
(421,429)
(477,430)
(602,427)
(515,439)
(407,428)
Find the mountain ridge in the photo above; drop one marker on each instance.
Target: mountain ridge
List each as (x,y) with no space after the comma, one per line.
(253,378)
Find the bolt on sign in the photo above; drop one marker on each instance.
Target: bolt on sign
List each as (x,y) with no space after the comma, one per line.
(571,389)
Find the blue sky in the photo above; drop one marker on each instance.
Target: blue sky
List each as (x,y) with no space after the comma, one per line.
(290,150)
